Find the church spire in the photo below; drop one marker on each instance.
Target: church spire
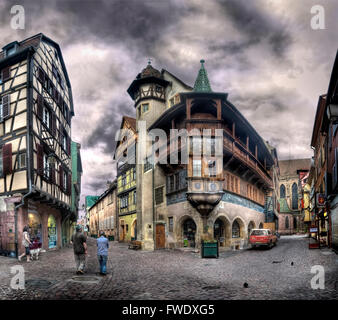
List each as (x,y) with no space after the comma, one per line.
(202,83)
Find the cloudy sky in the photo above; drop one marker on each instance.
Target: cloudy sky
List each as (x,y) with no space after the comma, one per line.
(263,53)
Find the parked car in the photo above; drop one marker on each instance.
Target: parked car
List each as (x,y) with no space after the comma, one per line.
(262,237)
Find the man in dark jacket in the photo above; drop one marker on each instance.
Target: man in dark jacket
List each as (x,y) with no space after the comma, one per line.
(80,249)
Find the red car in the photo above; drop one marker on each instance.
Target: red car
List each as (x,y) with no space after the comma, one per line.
(262,237)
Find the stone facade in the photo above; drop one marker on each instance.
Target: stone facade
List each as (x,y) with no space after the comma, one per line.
(178,206)
(291,218)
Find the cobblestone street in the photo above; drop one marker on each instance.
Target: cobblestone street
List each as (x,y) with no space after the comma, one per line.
(175,274)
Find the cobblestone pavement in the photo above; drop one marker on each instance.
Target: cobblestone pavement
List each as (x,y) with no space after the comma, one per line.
(175,274)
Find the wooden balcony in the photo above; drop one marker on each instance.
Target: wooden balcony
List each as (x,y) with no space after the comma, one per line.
(231,145)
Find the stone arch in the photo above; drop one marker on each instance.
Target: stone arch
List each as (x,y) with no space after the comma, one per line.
(241,225)
(179,229)
(227,228)
(282,191)
(251,225)
(133,231)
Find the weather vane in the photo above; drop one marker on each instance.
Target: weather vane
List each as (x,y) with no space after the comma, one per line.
(149,61)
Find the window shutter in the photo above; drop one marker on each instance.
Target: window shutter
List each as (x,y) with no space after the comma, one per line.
(52,174)
(54,124)
(6,106)
(55,94)
(68,145)
(6,73)
(39,159)
(69,184)
(40,106)
(41,76)
(61,135)
(61,177)
(7,158)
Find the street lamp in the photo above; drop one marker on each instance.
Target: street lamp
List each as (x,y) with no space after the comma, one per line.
(332,113)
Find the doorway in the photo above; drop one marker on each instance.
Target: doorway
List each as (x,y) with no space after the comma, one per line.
(189,231)
(219,232)
(160,236)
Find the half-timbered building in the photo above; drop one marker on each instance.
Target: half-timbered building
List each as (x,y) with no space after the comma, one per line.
(125,156)
(36,109)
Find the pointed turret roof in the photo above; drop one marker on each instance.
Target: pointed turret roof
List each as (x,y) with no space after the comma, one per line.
(202,83)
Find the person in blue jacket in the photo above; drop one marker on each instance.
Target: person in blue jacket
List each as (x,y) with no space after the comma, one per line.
(102,252)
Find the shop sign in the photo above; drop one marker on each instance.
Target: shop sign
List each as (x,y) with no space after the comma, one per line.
(320,200)
(313,230)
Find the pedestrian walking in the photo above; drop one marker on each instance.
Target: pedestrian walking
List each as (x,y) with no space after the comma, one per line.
(26,243)
(35,248)
(80,249)
(102,252)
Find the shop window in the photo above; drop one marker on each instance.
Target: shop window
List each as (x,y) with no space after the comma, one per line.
(236,229)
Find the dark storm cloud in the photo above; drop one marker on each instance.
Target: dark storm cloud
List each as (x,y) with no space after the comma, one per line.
(262,52)
(251,20)
(108,124)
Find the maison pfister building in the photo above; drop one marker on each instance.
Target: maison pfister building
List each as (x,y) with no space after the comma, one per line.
(205,197)
(35,143)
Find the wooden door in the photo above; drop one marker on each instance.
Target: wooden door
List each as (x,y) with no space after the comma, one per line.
(160,236)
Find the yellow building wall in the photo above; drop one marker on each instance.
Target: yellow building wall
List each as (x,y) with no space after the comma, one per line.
(128,221)
(131,204)
(130,183)
(307,213)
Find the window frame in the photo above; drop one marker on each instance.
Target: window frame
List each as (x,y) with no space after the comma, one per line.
(196,166)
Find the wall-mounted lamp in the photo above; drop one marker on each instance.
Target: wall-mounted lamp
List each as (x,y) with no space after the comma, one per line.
(332,112)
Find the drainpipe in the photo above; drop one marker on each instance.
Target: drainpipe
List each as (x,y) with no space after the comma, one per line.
(28,152)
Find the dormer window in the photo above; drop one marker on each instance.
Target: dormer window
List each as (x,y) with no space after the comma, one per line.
(10,48)
(10,51)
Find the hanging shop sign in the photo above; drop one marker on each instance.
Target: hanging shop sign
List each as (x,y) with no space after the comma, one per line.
(320,200)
